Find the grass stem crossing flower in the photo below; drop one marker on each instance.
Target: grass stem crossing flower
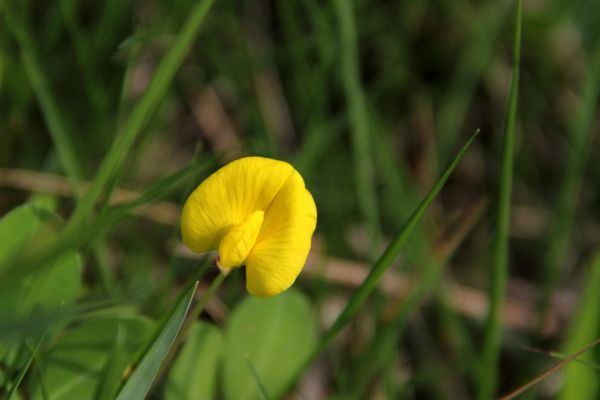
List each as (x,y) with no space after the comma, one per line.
(256,212)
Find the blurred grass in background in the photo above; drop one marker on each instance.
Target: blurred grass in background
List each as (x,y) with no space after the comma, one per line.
(111,112)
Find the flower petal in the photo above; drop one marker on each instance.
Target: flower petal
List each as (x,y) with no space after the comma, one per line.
(284,240)
(239,240)
(228,197)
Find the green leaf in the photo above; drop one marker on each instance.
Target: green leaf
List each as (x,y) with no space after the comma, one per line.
(20,230)
(259,384)
(17,228)
(194,374)
(141,379)
(72,369)
(44,292)
(275,335)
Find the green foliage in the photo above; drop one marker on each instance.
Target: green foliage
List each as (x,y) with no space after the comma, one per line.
(275,335)
(194,374)
(369,100)
(73,367)
(56,286)
(500,253)
(144,373)
(359,123)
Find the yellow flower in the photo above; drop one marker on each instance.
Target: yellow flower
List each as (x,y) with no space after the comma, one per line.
(255,211)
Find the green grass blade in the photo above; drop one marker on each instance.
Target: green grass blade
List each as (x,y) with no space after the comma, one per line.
(581,381)
(385,261)
(140,381)
(577,155)
(112,215)
(388,256)
(158,191)
(111,374)
(85,54)
(499,262)
(359,121)
(57,123)
(25,368)
(142,111)
(473,61)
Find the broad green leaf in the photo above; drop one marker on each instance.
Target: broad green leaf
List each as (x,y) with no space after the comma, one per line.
(275,335)
(20,230)
(17,229)
(44,292)
(73,367)
(194,374)
(143,376)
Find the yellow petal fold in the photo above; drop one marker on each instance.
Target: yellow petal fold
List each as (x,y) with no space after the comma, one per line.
(228,197)
(255,211)
(239,241)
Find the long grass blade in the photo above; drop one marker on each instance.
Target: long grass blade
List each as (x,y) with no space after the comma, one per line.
(111,373)
(142,111)
(57,123)
(25,368)
(499,262)
(141,379)
(389,255)
(359,125)
(384,262)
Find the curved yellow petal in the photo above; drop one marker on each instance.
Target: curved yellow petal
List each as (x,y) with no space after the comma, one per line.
(239,240)
(284,240)
(255,211)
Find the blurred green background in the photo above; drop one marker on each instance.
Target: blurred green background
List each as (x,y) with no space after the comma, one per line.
(112,112)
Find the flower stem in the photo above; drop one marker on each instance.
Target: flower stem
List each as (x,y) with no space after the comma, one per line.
(197,310)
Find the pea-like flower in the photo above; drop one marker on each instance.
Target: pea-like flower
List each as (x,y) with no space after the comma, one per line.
(256,212)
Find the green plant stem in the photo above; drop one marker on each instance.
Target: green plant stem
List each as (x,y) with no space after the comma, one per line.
(499,263)
(199,307)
